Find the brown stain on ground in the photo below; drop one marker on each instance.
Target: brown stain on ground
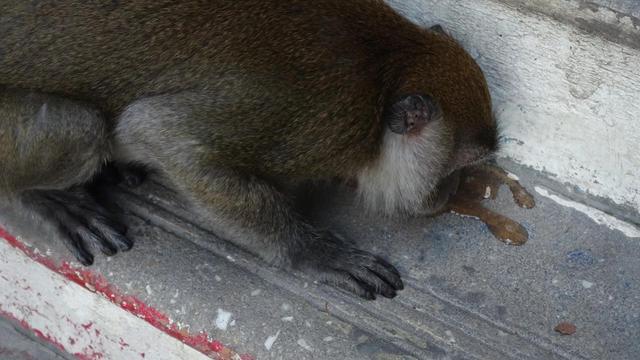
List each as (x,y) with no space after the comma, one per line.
(566,328)
(482,182)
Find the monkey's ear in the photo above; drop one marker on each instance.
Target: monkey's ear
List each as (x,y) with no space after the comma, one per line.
(438,28)
(411,113)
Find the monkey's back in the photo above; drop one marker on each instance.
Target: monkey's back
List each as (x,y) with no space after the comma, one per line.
(277,73)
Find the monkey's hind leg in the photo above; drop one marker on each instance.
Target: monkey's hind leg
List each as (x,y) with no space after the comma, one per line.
(50,147)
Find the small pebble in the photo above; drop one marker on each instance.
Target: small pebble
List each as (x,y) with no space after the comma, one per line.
(303,344)
(270,340)
(586,284)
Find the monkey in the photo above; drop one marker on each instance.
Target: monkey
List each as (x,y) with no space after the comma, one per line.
(237,102)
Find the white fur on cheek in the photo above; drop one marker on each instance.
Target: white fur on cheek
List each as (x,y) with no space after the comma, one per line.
(407,172)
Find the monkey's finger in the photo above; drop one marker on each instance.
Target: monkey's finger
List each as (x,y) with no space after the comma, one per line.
(98,233)
(65,224)
(373,281)
(87,222)
(91,236)
(77,247)
(353,285)
(387,272)
(109,233)
(345,281)
(85,234)
(73,239)
(381,267)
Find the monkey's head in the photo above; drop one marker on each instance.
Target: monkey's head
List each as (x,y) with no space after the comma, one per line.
(438,119)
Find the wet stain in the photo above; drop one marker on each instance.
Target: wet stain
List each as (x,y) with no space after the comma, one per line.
(436,352)
(580,258)
(422,256)
(475,297)
(437,281)
(501,311)
(482,183)
(469,270)
(565,328)
(375,348)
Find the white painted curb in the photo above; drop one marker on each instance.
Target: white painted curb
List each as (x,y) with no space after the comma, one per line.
(76,320)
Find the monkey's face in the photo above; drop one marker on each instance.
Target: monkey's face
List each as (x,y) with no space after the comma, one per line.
(439,121)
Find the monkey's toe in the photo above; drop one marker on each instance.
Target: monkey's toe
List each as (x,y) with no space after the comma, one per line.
(354,270)
(83,223)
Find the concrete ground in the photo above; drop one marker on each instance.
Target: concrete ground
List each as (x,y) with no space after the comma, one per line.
(563,74)
(467,296)
(18,344)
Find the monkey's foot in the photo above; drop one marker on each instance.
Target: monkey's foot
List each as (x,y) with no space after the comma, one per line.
(84,224)
(335,262)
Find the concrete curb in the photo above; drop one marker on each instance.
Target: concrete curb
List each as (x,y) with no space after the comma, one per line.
(80,313)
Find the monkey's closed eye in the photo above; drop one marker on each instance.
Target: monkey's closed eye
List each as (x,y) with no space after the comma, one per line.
(439,29)
(410,114)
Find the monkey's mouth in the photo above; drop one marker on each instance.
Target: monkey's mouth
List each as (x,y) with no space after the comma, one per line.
(445,190)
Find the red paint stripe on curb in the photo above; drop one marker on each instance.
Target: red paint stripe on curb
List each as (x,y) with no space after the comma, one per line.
(98,284)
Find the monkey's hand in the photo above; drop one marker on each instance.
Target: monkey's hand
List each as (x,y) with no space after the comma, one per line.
(336,262)
(83,223)
(247,209)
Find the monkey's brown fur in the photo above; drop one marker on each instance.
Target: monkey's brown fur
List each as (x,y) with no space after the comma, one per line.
(232,99)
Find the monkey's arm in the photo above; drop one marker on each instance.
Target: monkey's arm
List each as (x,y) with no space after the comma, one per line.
(259,218)
(247,210)
(167,133)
